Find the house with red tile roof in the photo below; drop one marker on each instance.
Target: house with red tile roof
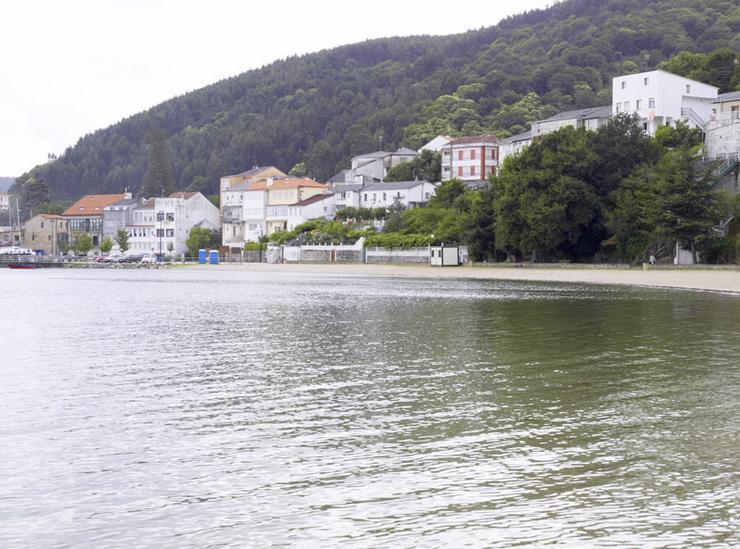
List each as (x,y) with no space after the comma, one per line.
(86,215)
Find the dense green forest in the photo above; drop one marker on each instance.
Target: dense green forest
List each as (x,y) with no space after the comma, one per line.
(323,108)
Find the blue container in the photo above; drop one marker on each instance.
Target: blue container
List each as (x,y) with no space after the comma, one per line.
(214,257)
(202,256)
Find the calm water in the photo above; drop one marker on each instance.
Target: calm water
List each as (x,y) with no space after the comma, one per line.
(196,408)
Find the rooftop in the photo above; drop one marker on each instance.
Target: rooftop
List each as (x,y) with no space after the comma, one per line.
(254,171)
(124,202)
(279,183)
(394,185)
(524,136)
(382,154)
(184,195)
(729,96)
(314,198)
(469,139)
(93,204)
(604,111)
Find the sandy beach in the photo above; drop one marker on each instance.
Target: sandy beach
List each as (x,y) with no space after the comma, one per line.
(718,280)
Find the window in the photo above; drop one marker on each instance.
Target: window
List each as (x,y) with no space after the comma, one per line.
(375,196)
(170,232)
(626,106)
(383,196)
(688,88)
(645,81)
(651,103)
(472,154)
(624,84)
(618,108)
(170,217)
(42,224)
(459,171)
(472,170)
(160,233)
(735,112)
(638,104)
(644,126)
(398,194)
(459,155)
(160,216)
(668,120)
(365,197)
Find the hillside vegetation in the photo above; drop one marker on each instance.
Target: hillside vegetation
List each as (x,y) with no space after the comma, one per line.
(323,108)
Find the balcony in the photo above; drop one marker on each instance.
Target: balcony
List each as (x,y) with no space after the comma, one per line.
(232,214)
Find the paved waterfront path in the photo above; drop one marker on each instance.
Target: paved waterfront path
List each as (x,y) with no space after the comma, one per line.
(694,279)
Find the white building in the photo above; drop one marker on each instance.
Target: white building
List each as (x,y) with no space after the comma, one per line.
(410,194)
(473,159)
(437,144)
(347,196)
(591,118)
(376,165)
(513,145)
(723,128)
(319,206)
(255,209)
(4,201)
(162,224)
(661,98)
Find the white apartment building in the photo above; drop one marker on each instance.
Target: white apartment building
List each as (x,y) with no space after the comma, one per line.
(661,98)
(162,224)
(375,165)
(410,194)
(591,118)
(319,206)
(347,196)
(4,201)
(472,158)
(513,145)
(723,128)
(255,209)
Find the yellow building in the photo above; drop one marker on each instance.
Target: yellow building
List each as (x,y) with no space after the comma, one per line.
(255,174)
(279,194)
(47,232)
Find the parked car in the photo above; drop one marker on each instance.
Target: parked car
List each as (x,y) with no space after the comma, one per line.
(133,258)
(148,259)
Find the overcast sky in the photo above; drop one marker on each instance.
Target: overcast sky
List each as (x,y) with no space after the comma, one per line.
(69,67)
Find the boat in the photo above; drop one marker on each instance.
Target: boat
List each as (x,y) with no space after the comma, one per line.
(23,266)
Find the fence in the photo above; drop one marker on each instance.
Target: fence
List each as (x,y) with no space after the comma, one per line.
(392,255)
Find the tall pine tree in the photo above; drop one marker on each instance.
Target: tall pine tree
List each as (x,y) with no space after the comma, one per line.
(158,179)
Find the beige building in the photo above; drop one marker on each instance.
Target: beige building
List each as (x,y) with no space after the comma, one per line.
(254,210)
(47,232)
(250,176)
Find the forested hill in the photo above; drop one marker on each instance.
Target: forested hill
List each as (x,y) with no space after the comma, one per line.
(325,107)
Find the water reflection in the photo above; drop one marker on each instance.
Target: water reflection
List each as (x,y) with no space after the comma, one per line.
(200,408)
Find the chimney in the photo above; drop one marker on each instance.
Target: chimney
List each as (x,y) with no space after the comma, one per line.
(127,196)
(270,181)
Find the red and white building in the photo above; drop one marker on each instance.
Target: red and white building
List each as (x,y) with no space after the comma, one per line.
(472,158)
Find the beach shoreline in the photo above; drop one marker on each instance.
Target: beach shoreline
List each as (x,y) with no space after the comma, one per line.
(714,280)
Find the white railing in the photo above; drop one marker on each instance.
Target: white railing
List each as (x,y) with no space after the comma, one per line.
(693,116)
